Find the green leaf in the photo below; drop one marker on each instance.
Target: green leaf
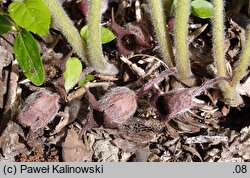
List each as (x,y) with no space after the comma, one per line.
(33,15)
(82,82)
(107,35)
(202,9)
(5,25)
(28,56)
(173,7)
(72,73)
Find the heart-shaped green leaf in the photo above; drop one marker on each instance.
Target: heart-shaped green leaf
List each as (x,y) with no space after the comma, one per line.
(32,15)
(72,73)
(107,35)
(28,56)
(5,25)
(202,9)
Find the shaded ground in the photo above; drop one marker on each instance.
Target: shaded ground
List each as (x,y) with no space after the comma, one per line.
(209,131)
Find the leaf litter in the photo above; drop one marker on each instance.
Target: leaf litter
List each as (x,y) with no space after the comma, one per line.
(210,131)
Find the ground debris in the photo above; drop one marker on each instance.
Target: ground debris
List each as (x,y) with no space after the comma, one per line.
(128,116)
(74,150)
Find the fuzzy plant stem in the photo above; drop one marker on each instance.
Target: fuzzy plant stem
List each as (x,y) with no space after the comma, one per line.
(218,46)
(161,31)
(244,62)
(94,44)
(65,25)
(181,38)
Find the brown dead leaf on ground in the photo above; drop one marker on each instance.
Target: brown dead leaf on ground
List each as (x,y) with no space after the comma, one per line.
(209,131)
(74,150)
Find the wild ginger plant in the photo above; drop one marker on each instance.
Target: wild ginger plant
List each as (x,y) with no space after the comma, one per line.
(24,18)
(94,54)
(181,9)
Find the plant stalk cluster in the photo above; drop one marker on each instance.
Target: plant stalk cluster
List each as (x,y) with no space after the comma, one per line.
(95,56)
(92,53)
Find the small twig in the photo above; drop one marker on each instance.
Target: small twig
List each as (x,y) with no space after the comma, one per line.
(138,13)
(81,91)
(157,79)
(149,56)
(135,68)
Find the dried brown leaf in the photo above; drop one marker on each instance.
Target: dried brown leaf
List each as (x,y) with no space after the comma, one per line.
(10,142)
(244,89)
(105,151)
(74,150)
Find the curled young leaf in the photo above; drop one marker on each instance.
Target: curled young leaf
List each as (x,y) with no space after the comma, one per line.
(72,73)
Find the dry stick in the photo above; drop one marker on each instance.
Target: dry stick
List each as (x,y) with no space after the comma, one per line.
(218,50)
(157,79)
(161,31)
(65,25)
(244,62)
(94,44)
(181,39)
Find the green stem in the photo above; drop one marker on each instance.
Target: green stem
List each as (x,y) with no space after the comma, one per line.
(94,44)
(244,62)
(65,25)
(229,93)
(181,38)
(3,13)
(161,31)
(218,37)
(218,42)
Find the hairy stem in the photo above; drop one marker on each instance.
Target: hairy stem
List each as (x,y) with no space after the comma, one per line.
(230,95)
(65,25)
(161,31)
(218,37)
(94,45)
(181,38)
(244,62)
